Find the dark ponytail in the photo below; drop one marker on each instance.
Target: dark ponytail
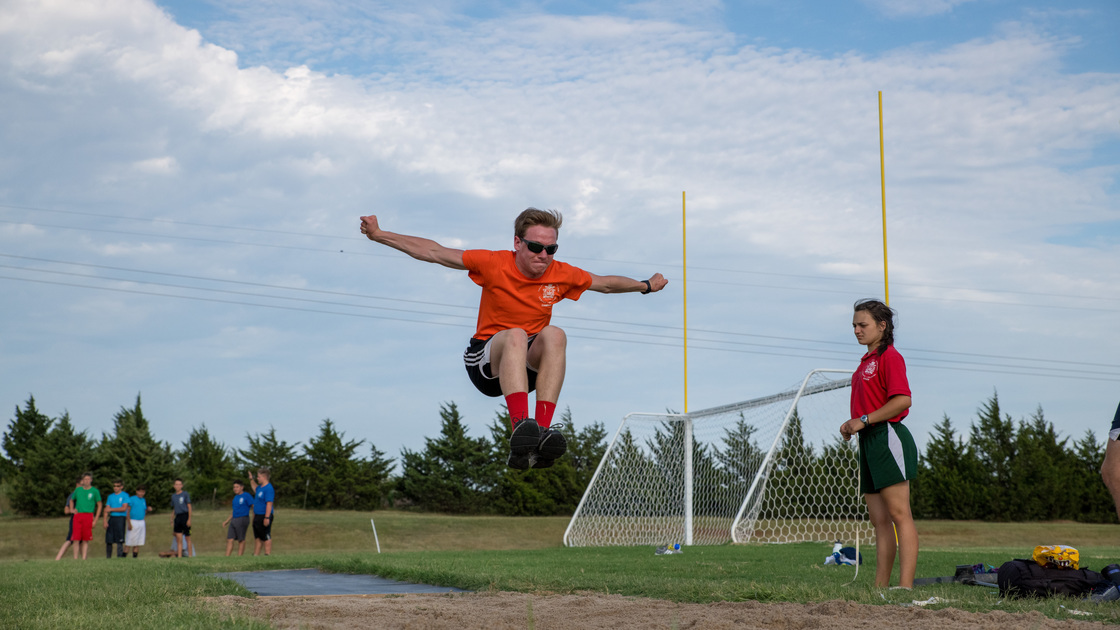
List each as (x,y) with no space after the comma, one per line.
(880,312)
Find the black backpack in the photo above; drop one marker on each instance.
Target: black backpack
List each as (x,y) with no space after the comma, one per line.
(1025,578)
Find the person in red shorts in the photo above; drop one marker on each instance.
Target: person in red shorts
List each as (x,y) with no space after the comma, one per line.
(85,504)
(515,349)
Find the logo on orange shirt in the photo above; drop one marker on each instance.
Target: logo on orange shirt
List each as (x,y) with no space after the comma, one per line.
(549,294)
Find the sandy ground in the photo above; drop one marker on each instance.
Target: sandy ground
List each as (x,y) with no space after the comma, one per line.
(501,610)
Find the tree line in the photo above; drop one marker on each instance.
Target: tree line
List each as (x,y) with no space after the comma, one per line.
(453,473)
(1004,471)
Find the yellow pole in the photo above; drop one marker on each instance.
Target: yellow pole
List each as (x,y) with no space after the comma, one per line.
(883,187)
(886,284)
(684,284)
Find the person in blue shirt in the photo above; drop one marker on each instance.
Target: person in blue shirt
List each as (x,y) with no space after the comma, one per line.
(137,527)
(263,510)
(181,514)
(238,521)
(116,519)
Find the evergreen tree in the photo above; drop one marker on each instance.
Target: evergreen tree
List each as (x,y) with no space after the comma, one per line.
(24,431)
(794,462)
(950,483)
(1041,472)
(839,463)
(993,441)
(132,454)
(379,469)
(208,467)
(50,469)
(1092,501)
(739,460)
(282,459)
(338,477)
(454,473)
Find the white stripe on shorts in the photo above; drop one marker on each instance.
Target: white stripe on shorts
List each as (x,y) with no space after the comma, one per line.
(895,445)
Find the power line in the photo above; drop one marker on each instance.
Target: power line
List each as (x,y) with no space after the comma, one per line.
(473,309)
(780,350)
(173,222)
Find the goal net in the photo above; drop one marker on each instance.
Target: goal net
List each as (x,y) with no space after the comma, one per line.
(772,469)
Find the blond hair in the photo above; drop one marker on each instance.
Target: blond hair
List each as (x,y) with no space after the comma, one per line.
(532,216)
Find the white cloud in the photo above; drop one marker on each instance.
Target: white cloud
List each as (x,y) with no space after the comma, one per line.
(989,146)
(166,165)
(914,8)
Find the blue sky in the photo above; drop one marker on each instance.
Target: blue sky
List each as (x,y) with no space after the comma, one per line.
(180,185)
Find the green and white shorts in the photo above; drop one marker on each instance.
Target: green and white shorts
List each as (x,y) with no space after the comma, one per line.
(887,455)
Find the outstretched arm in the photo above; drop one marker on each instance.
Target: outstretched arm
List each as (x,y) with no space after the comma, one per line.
(415,246)
(622,284)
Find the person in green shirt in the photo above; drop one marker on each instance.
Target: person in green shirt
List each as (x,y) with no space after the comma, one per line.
(85,503)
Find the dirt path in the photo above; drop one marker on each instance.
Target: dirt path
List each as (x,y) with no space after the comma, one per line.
(502,610)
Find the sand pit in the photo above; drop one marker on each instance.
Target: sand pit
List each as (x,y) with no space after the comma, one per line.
(502,610)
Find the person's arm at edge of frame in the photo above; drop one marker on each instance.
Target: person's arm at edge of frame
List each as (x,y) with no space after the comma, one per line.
(894,406)
(622,284)
(268,511)
(98,515)
(190,512)
(418,247)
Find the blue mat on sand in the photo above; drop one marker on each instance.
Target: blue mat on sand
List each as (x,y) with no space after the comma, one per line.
(314,582)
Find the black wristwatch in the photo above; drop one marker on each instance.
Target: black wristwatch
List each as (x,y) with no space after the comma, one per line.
(649,287)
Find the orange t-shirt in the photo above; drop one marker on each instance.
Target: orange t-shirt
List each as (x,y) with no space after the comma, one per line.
(512,300)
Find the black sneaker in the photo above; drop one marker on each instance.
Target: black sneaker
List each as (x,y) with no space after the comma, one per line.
(542,462)
(521,462)
(552,444)
(526,435)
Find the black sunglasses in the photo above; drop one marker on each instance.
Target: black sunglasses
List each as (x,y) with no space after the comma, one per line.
(537,248)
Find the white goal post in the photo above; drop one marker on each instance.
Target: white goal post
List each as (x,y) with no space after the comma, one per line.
(773,469)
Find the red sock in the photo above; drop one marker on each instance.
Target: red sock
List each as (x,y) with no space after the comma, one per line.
(545,410)
(518,405)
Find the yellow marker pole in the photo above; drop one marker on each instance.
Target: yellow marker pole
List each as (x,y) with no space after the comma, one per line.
(684,283)
(883,187)
(883,190)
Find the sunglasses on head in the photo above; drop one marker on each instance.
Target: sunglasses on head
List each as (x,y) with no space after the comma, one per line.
(537,248)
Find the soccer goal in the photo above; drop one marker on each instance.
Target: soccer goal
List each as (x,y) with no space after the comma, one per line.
(772,469)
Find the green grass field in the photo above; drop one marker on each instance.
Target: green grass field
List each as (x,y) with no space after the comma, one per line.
(493,553)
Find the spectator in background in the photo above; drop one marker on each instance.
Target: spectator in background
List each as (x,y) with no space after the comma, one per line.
(263,510)
(181,519)
(238,521)
(116,519)
(137,525)
(86,506)
(69,530)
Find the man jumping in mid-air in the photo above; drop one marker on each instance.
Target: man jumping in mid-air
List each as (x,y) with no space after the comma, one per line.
(514,349)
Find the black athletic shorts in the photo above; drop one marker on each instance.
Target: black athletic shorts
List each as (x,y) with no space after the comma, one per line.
(260,530)
(1114,433)
(477,360)
(117,527)
(181,524)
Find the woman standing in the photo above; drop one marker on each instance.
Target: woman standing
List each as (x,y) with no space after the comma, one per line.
(888,458)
